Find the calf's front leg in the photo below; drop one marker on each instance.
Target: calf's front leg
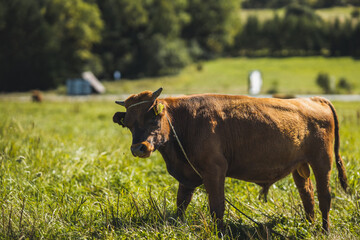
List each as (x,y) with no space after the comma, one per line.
(214,185)
(184,196)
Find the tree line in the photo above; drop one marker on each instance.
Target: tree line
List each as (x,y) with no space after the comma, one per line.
(44,42)
(309,3)
(300,32)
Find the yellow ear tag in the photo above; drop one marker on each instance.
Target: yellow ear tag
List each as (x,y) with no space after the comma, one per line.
(159,108)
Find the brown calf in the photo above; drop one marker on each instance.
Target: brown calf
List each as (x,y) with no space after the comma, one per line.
(251,139)
(36,96)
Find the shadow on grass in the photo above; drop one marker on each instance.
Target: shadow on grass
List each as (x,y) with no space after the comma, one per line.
(233,230)
(239,230)
(147,220)
(153,214)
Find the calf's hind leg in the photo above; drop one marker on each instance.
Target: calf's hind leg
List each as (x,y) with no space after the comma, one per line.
(322,177)
(264,191)
(303,183)
(322,169)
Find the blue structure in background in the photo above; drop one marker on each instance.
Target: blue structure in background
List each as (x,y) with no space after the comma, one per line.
(117,75)
(78,86)
(85,85)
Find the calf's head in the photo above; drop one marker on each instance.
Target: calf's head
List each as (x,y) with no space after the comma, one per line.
(144,117)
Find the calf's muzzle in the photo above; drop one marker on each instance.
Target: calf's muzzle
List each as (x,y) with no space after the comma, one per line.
(143,149)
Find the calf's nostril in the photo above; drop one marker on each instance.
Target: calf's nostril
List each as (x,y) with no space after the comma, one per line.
(142,148)
(138,150)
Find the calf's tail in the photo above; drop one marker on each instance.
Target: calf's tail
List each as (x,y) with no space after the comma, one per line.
(339,162)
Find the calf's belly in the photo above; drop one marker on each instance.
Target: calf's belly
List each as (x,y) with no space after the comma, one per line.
(263,168)
(267,175)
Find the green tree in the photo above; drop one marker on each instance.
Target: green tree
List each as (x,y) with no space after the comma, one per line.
(250,36)
(130,27)
(25,49)
(355,41)
(274,34)
(341,35)
(254,3)
(76,26)
(167,17)
(299,32)
(163,52)
(134,29)
(125,27)
(164,56)
(45,41)
(298,10)
(213,24)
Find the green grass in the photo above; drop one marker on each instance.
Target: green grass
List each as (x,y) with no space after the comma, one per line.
(262,14)
(328,14)
(66,172)
(296,75)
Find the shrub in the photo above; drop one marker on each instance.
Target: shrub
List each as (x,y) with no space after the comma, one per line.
(164,56)
(301,11)
(345,85)
(274,88)
(325,83)
(355,13)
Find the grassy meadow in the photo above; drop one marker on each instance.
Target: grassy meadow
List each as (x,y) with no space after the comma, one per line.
(66,172)
(295,75)
(328,14)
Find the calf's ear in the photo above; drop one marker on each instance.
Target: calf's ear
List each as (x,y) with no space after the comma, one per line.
(119,118)
(158,108)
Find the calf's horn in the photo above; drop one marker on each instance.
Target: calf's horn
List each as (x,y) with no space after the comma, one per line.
(121,103)
(157,93)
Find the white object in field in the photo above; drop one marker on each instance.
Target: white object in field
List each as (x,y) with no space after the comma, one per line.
(94,82)
(255,82)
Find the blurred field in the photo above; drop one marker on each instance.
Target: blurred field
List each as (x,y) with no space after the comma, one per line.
(328,14)
(66,172)
(296,75)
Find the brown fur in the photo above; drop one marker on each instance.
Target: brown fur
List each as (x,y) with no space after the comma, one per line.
(251,139)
